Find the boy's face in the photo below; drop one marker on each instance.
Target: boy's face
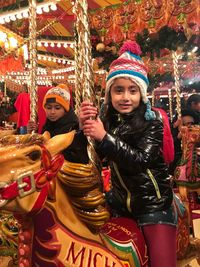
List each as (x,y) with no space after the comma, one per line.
(187,120)
(195,106)
(54,111)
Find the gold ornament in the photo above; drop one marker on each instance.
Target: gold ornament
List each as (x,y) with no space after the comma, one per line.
(100,47)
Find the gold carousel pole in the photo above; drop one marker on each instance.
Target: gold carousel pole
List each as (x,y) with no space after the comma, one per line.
(170,104)
(83,57)
(177,82)
(84,70)
(33,60)
(78,64)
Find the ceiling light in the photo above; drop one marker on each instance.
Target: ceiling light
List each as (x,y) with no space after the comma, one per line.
(53,7)
(3,36)
(19,15)
(195,49)
(6,45)
(13,18)
(13,42)
(25,14)
(46,9)
(7,19)
(39,10)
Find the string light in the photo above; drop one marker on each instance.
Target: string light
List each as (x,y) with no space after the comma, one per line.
(58,43)
(53,7)
(63,70)
(21,13)
(56,59)
(46,9)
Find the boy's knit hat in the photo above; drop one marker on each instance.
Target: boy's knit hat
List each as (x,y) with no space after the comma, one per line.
(59,94)
(129,64)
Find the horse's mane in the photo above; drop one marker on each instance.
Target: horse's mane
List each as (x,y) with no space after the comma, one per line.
(21,140)
(81,184)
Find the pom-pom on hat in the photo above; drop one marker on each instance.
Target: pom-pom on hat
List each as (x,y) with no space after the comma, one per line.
(129,64)
(59,94)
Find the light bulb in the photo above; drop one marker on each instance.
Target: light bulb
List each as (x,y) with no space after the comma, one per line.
(13,18)
(19,15)
(25,14)
(46,9)
(39,10)
(53,7)
(7,19)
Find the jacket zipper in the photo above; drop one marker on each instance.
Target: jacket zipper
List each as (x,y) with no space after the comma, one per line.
(154,183)
(128,199)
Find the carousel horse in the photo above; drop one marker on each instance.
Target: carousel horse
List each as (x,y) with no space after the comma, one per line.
(61,211)
(187,173)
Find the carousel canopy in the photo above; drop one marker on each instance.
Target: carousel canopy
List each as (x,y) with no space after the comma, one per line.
(159,26)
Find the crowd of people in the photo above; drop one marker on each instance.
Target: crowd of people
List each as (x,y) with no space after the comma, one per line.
(128,136)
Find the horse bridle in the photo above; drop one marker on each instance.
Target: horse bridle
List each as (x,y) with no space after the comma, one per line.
(27,183)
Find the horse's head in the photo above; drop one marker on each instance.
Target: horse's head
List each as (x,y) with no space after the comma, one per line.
(28,164)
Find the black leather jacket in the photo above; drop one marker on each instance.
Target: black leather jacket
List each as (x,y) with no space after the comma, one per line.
(140,182)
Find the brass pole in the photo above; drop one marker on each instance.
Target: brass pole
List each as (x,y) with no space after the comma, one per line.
(33,60)
(177,82)
(170,104)
(84,72)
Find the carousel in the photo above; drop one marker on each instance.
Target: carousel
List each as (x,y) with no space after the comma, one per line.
(53,212)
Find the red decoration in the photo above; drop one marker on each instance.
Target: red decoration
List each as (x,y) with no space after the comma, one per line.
(7,3)
(11,64)
(132,18)
(132,47)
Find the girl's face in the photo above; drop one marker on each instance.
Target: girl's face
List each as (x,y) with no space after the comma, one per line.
(125,95)
(54,111)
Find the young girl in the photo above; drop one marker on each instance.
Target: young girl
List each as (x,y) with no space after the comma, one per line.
(131,137)
(60,118)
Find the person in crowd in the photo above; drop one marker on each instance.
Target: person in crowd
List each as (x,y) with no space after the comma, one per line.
(130,136)
(188,118)
(61,118)
(193,103)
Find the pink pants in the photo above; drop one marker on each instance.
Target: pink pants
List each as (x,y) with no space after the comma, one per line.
(161,244)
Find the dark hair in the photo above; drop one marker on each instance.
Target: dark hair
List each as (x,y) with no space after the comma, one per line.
(193,98)
(111,117)
(189,112)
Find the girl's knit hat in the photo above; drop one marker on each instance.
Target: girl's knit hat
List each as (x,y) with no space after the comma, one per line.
(59,94)
(129,64)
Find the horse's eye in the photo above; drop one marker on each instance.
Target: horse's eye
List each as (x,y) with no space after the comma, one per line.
(34,155)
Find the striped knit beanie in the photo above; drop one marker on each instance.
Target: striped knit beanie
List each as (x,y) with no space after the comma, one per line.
(129,64)
(59,94)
